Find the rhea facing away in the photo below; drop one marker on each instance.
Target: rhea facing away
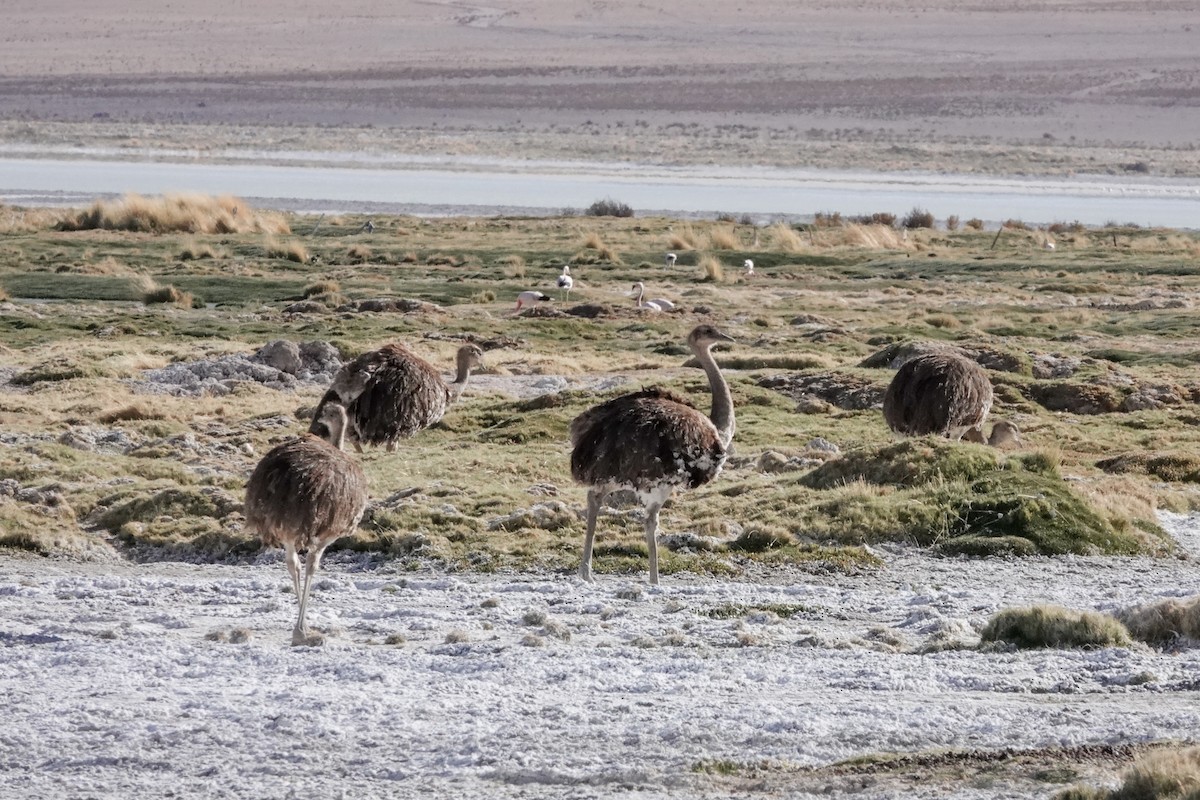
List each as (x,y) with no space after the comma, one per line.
(652,442)
(302,496)
(391,393)
(941,393)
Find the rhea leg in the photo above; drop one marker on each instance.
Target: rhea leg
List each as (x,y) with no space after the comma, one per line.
(292,559)
(300,633)
(594,499)
(652,539)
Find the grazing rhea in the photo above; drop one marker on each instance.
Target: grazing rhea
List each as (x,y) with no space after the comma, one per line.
(942,393)
(391,393)
(303,495)
(565,281)
(657,304)
(531,296)
(652,441)
(670,260)
(749,266)
(1003,433)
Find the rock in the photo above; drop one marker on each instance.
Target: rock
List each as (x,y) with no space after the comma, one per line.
(1048,365)
(810,404)
(895,355)
(403,305)
(1077,398)
(823,445)
(1151,397)
(306,307)
(549,516)
(842,389)
(280,354)
(771,462)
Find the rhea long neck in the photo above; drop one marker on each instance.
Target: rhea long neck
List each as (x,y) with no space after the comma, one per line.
(722,404)
(462,376)
(336,423)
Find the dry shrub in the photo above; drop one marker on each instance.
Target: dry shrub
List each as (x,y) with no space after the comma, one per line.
(1163,775)
(714,270)
(1014,225)
(871,237)
(106,266)
(358,254)
(1164,622)
(408,258)
(592,241)
(292,251)
(974,223)
(1054,626)
(28,220)
(194,251)
(827,219)
(133,412)
(722,239)
(943,321)
(175,213)
(153,293)
(917,218)
(952,222)
(785,238)
(685,238)
(321,287)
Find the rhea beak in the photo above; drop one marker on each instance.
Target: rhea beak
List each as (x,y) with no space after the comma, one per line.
(725,338)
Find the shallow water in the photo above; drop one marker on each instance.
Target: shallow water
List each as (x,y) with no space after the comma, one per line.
(475,187)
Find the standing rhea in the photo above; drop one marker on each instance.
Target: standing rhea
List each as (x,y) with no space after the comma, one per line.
(565,281)
(942,393)
(531,296)
(670,260)
(303,495)
(657,304)
(652,441)
(391,393)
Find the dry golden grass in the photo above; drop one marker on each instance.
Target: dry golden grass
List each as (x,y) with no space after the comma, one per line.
(1164,622)
(514,266)
(592,241)
(292,251)
(714,270)
(194,251)
(175,213)
(784,238)
(132,412)
(4,295)
(1054,626)
(153,293)
(358,254)
(321,287)
(683,237)
(877,237)
(1162,775)
(27,220)
(722,239)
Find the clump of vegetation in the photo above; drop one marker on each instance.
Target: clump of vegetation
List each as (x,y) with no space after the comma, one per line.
(132,412)
(952,222)
(917,218)
(683,237)
(321,287)
(975,224)
(358,254)
(1054,626)
(722,239)
(194,251)
(175,213)
(827,219)
(714,270)
(609,208)
(1164,775)
(592,241)
(514,266)
(785,238)
(156,294)
(292,251)
(1165,622)
(56,369)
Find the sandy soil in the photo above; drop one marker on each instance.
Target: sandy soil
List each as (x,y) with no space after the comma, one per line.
(1078,85)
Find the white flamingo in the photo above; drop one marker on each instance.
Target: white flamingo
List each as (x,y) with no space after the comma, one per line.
(531,296)
(657,304)
(565,281)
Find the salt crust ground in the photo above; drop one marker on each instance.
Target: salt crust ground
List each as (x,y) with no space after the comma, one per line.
(112,690)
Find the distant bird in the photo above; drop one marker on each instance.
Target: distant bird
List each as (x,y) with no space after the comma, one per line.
(531,297)
(941,393)
(658,304)
(670,259)
(652,441)
(303,495)
(565,281)
(1003,432)
(749,266)
(367,227)
(1048,245)
(391,393)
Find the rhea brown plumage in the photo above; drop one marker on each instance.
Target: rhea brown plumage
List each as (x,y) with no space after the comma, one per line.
(391,393)
(941,393)
(303,495)
(652,442)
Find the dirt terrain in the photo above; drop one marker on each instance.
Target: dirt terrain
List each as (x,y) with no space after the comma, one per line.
(1011,87)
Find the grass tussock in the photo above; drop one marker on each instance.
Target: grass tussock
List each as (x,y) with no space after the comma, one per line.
(130,413)
(4,295)
(175,213)
(722,239)
(1054,626)
(194,250)
(291,251)
(154,294)
(1162,775)
(683,237)
(784,238)
(714,270)
(321,287)
(592,241)
(1165,622)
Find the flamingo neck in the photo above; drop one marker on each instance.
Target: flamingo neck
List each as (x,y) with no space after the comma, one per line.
(722,403)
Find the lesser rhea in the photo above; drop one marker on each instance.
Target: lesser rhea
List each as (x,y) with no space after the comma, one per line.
(303,495)
(941,393)
(652,442)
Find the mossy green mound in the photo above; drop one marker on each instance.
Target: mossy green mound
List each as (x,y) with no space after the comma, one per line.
(1053,626)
